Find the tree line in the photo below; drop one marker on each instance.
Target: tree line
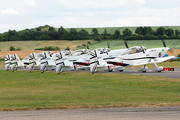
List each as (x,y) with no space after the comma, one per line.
(50,33)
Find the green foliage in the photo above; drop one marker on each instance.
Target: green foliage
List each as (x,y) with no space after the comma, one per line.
(88,42)
(169,32)
(80,47)
(1,37)
(143,30)
(18,49)
(51,29)
(160,31)
(95,31)
(127,32)
(12,48)
(176,32)
(84,45)
(50,33)
(97,39)
(2,59)
(178,55)
(67,48)
(47,48)
(73,31)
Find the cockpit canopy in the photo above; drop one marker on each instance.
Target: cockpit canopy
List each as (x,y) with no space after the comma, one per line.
(134,50)
(103,50)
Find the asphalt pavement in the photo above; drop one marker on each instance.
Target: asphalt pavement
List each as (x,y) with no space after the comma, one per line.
(129,113)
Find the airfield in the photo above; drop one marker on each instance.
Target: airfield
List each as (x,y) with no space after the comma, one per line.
(129,113)
(105,104)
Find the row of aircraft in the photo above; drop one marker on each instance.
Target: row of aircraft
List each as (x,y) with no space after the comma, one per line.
(96,60)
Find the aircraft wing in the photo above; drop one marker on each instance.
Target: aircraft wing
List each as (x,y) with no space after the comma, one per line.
(156,60)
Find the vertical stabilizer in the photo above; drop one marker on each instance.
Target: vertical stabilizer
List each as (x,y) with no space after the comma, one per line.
(7,62)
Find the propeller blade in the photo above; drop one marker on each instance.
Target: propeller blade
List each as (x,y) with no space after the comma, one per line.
(164,43)
(126,44)
(108,45)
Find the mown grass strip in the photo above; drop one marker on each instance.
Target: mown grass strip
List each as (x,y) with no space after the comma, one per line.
(21,90)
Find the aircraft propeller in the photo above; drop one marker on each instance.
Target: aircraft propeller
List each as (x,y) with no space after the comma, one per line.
(126,44)
(170,50)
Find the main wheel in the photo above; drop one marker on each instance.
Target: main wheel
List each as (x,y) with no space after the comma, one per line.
(143,71)
(110,70)
(120,70)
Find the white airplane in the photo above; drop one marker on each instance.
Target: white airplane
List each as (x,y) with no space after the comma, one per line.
(7,62)
(16,63)
(62,63)
(34,62)
(134,56)
(105,53)
(46,62)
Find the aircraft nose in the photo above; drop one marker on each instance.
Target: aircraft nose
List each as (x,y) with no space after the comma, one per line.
(165,51)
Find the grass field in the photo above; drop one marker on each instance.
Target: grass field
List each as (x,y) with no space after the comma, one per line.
(119,44)
(31,45)
(21,90)
(114,44)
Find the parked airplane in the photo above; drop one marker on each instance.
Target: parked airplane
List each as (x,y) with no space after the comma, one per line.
(7,62)
(134,56)
(16,63)
(46,62)
(34,62)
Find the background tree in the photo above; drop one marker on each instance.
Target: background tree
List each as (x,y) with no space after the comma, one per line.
(94,32)
(176,32)
(169,32)
(39,29)
(51,29)
(105,34)
(116,34)
(1,37)
(73,31)
(139,30)
(127,32)
(160,31)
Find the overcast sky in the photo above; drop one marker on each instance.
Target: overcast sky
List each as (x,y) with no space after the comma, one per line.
(21,14)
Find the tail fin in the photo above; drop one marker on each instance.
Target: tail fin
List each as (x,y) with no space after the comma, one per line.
(33,61)
(59,62)
(7,62)
(16,62)
(62,61)
(46,61)
(95,61)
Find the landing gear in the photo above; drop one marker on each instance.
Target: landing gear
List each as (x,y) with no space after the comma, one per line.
(158,68)
(110,70)
(143,69)
(120,70)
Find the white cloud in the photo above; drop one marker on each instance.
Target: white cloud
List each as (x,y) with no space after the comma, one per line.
(9,11)
(91,13)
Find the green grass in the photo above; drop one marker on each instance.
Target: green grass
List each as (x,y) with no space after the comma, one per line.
(21,90)
(62,44)
(31,45)
(119,44)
